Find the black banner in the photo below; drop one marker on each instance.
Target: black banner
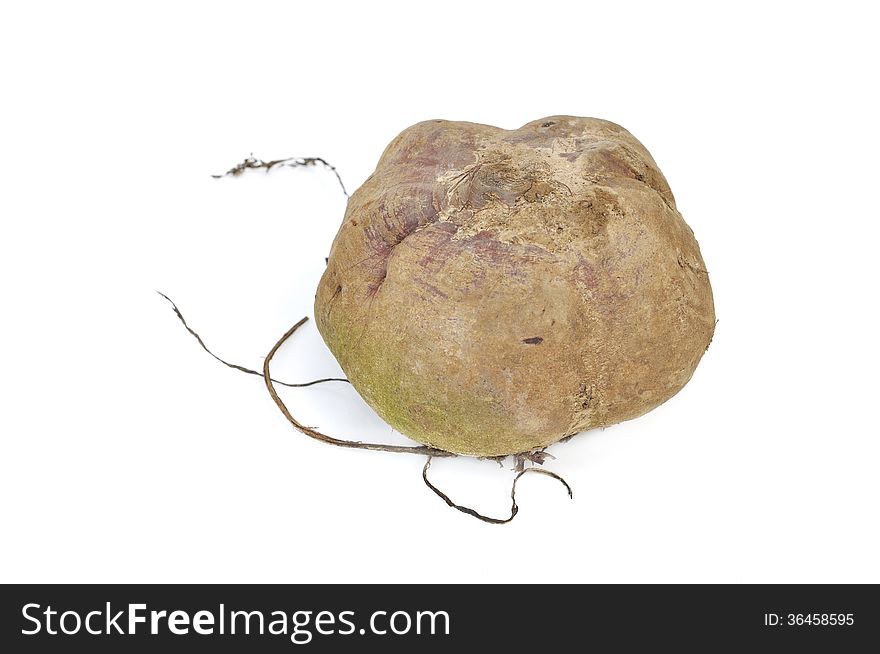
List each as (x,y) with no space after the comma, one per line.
(324,618)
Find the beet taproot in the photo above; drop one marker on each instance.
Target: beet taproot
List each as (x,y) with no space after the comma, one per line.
(493,291)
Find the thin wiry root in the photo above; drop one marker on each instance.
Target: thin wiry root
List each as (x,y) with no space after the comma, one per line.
(252,163)
(314,433)
(514,509)
(235,366)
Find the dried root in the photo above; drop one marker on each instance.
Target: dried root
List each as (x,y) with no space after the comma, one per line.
(235,366)
(514,509)
(252,163)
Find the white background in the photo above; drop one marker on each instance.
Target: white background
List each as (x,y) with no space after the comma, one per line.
(128,455)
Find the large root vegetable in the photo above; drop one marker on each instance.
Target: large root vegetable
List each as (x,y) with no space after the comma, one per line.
(493,291)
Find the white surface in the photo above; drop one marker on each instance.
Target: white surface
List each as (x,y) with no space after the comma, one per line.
(129,455)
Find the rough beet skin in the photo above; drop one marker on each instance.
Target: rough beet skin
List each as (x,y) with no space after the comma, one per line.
(492,291)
